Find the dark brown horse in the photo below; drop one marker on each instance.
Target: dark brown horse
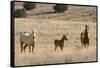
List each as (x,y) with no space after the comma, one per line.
(60,43)
(84,37)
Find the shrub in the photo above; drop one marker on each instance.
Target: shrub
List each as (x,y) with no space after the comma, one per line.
(20,13)
(29,6)
(60,8)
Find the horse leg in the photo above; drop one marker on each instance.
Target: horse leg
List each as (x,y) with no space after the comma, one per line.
(88,43)
(32,47)
(55,48)
(21,46)
(61,47)
(25,47)
(55,45)
(29,48)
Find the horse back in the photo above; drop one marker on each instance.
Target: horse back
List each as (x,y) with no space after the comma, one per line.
(56,42)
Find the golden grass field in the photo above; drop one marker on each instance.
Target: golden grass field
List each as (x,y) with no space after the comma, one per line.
(50,26)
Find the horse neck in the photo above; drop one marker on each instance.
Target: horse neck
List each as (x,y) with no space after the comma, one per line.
(62,39)
(31,35)
(86,32)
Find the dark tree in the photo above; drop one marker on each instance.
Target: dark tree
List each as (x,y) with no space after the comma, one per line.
(60,8)
(29,6)
(20,13)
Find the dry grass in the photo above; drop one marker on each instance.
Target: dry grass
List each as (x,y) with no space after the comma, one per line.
(52,26)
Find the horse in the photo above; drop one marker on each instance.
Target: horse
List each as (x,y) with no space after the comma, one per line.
(84,37)
(60,42)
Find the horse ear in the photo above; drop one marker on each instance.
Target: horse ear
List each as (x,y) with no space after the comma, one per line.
(87,26)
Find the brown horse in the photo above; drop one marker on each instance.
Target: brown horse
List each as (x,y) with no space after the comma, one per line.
(28,39)
(60,43)
(84,37)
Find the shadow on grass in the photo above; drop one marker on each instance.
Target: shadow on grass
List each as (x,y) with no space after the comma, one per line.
(42,13)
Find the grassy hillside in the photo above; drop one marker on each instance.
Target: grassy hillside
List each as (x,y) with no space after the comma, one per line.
(50,26)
